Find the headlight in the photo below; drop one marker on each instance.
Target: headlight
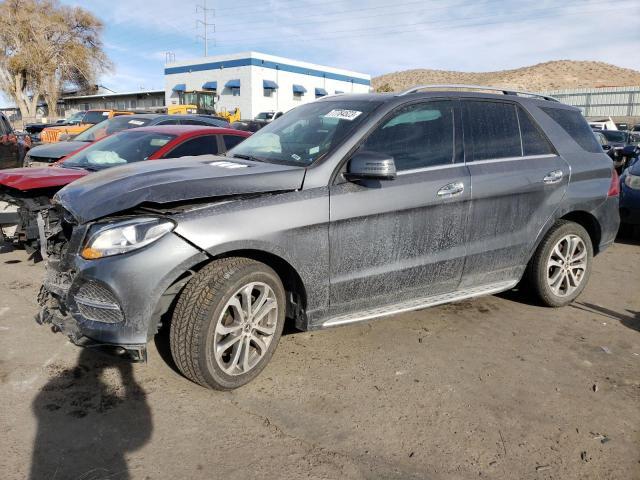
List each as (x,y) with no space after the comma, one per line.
(125,236)
(632,181)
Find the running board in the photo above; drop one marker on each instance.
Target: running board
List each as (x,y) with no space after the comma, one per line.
(420,303)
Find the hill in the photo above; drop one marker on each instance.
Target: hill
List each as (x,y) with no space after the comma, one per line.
(546,76)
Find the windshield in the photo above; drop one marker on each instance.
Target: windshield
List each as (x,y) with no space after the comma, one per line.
(265,116)
(614,136)
(76,117)
(95,116)
(119,149)
(113,125)
(306,133)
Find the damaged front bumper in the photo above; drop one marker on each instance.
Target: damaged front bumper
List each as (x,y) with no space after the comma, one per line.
(113,303)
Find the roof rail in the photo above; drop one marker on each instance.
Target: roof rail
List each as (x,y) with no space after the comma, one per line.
(505,91)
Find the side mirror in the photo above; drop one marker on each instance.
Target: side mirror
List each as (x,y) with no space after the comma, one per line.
(606,148)
(371,166)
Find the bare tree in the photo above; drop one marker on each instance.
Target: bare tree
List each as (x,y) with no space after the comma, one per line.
(44,47)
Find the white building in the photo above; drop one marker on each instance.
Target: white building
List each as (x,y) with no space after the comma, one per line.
(256,82)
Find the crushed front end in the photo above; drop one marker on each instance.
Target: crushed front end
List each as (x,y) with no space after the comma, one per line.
(112,303)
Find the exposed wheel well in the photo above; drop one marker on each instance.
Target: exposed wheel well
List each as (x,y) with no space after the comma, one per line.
(589,223)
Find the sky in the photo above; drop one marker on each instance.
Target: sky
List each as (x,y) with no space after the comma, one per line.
(373,36)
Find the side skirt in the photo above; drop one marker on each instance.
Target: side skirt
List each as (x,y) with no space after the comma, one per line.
(420,303)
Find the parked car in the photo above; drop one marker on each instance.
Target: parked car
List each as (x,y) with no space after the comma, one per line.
(91,117)
(13,145)
(624,146)
(248,125)
(47,154)
(25,191)
(35,129)
(630,195)
(267,117)
(348,208)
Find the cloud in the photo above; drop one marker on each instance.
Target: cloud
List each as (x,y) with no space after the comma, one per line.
(373,37)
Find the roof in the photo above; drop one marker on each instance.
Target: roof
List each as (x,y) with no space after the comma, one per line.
(399,99)
(187,129)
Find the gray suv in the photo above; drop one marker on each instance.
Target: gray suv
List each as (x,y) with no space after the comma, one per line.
(343,210)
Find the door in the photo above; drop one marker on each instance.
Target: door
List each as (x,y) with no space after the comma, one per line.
(402,239)
(8,145)
(517,182)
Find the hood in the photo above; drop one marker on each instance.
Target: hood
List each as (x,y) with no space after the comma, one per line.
(634,169)
(56,150)
(166,181)
(25,179)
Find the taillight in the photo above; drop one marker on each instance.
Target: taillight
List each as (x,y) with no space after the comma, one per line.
(614,188)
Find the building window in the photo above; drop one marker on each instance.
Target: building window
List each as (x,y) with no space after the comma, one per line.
(268,92)
(235,92)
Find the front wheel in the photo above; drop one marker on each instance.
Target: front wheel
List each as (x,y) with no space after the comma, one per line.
(227,323)
(560,268)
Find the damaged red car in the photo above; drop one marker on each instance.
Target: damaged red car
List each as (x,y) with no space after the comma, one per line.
(26,192)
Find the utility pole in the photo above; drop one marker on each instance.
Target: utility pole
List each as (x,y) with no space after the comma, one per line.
(205,24)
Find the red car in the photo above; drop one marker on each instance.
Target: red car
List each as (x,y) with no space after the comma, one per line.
(24,190)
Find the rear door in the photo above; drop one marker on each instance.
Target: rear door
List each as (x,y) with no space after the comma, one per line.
(400,240)
(517,182)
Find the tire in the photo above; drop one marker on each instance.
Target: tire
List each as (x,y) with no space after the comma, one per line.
(543,270)
(212,309)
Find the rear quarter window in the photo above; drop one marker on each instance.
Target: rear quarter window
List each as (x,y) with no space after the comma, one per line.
(533,140)
(572,122)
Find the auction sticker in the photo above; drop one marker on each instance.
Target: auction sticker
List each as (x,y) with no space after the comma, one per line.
(343,114)
(136,122)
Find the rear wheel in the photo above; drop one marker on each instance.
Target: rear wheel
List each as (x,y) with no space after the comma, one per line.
(560,268)
(227,323)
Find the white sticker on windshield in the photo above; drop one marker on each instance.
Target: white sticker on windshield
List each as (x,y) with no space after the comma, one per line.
(136,122)
(343,114)
(105,114)
(314,150)
(296,157)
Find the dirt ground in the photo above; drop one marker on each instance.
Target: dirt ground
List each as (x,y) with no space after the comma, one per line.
(496,388)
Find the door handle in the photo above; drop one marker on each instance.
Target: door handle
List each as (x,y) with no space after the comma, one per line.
(553,177)
(451,190)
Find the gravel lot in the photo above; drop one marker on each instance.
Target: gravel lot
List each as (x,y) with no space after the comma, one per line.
(495,387)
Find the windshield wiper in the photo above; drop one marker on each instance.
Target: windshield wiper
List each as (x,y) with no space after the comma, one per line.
(248,157)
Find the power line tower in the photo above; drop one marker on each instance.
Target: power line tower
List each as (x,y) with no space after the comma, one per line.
(208,27)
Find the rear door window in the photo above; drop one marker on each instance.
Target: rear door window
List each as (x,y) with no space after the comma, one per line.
(491,130)
(203,145)
(572,122)
(231,141)
(417,136)
(533,140)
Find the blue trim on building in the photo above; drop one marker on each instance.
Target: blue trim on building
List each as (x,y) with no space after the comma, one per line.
(233,83)
(180,87)
(212,85)
(299,89)
(321,92)
(269,85)
(256,62)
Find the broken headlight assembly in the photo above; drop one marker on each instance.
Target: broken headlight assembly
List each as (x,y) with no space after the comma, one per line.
(632,181)
(115,238)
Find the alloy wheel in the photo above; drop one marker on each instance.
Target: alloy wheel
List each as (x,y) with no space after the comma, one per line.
(245,328)
(567,265)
